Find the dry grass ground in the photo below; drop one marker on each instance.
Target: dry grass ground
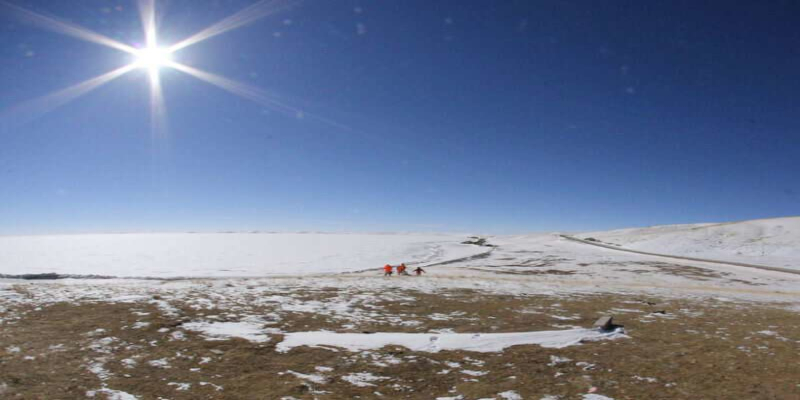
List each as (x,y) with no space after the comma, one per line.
(678,349)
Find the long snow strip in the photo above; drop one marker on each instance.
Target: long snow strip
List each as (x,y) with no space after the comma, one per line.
(435,342)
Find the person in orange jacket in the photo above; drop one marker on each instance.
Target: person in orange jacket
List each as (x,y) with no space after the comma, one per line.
(401,269)
(387,270)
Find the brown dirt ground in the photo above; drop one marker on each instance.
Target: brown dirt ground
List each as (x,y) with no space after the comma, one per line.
(679,349)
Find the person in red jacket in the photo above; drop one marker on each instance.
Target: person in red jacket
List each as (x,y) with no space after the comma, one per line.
(401,269)
(387,270)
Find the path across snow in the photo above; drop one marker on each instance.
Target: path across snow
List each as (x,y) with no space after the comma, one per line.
(774,242)
(738,264)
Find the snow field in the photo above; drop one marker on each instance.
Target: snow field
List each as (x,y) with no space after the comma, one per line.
(171,255)
(773,242)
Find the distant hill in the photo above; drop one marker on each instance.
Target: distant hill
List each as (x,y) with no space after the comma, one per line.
(774,241)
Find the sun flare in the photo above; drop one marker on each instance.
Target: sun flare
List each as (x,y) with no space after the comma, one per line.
(152,58)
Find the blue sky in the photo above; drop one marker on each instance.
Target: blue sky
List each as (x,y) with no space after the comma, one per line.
(479,116)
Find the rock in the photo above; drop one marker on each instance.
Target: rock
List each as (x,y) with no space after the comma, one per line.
(604,323)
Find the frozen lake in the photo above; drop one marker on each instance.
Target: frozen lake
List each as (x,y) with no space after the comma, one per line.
(166,255)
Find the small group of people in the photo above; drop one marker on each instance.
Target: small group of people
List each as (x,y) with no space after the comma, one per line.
(388,270)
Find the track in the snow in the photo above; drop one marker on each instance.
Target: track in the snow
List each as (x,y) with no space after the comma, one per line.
(738,264)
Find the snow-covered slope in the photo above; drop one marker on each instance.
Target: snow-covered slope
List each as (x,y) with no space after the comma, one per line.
(774,242)
(217,255)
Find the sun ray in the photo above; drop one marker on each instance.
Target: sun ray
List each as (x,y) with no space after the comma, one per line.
(147,12)
(67,28)
(158,108)
(247,15)
(31,109)
(153,58)
(253,94)
(238,88)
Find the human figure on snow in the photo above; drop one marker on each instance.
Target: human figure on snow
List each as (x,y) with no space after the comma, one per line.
(401,269)
(387,270)
(419,271)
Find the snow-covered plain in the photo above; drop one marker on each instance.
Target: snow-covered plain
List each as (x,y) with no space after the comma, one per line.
(171,255)
(536,263)
(267,288)
(773,242)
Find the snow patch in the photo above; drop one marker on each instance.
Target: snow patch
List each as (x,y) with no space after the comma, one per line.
(112,394)
(182,387)
(319,379)
(473,373)
(160,363)
(225,330)
(510,395)
(480,342)
(557,360)
(362,379)
(592,396)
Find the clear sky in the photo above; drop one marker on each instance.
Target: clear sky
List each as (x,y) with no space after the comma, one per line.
(484,116)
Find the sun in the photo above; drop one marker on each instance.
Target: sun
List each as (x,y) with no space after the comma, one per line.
(152,58)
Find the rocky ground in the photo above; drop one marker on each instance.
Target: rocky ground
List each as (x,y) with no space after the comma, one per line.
(156,340)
